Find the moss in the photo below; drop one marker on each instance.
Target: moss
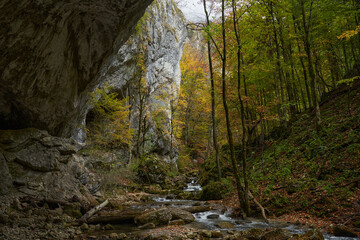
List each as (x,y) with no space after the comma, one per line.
(216,190)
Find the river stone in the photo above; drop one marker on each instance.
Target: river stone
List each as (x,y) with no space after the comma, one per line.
(177,222)
(213,216)
(252,234)
(178,213)
(158,217)
(216,234)
(313,234)
(277,234)
(206,233)
(147,226)
(84,227)
(225,225)
(114,236)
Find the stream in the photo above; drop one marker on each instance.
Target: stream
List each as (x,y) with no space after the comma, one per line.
(217,219)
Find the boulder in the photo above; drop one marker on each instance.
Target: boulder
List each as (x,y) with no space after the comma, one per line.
(180,214)
(44,166)
(163,216)
(225,225)
(147,226)
(213,216)
(158,217)
(252,234)
(177,222)
(313,234)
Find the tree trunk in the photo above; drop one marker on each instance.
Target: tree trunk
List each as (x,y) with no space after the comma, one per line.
(87,215)
(213,113)
(310,64)
(244,132)
(227,117)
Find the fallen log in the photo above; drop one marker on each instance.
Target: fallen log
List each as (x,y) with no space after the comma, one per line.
(87,215)
(260,206)
(121,216)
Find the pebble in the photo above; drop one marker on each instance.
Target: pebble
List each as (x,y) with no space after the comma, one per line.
(114,236)
(84,227)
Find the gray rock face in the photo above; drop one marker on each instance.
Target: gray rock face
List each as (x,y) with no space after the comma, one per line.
(162,33)
(51,54)
(40,165)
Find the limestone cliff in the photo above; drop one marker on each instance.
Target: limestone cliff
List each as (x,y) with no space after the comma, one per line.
(52,52)
(158,42)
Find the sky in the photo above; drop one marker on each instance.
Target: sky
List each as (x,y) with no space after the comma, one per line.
(192,9)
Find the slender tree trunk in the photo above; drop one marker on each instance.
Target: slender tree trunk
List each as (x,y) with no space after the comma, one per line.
(227,117)
(310,64)
(303,66)
(278,65)
(347,67)
(244,132)
(213,113)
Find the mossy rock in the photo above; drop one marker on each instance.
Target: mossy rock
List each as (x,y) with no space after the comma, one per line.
(215,190)
(73,210)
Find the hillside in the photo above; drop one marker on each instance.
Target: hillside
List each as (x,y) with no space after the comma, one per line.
(311,175)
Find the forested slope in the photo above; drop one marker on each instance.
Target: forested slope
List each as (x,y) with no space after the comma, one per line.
(311,174)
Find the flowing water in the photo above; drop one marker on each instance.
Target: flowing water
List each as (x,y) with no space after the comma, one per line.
(211,220)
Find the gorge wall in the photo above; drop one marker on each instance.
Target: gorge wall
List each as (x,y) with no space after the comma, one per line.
(54,53)
(156,46)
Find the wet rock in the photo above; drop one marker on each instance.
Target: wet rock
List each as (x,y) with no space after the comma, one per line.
(342,231)
(123,236)
(109,227)
(147,226)
(252,234)
(213,216)
(225,225)
(277,234)
(216,234)
(73,210)
(114,236)
(206,233)
(178,213)
(313,234)
(84,227)
(158,217)
(196,209)
(177,222)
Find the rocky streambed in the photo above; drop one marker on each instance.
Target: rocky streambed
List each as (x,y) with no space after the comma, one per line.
(144,216)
